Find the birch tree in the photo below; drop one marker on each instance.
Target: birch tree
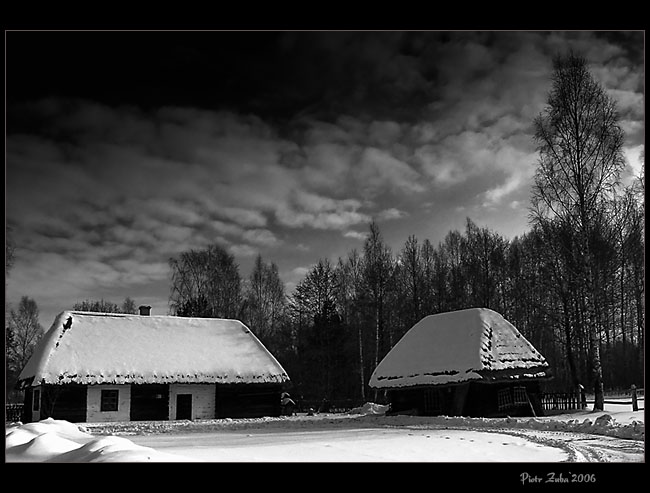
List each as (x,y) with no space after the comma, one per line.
(580,145)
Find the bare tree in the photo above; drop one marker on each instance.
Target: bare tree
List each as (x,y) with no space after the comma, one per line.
(101,306)
(321,340)
(129,306)
(580,160)
(411,279)
(26,331)
(453,252)
(349,291)
(265,299)
(378,271)
(205,283)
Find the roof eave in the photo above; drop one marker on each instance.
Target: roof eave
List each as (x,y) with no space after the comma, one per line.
(172,379)
(484,376)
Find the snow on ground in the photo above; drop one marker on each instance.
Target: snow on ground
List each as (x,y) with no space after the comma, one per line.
(53,440)
(363,435)
(357,445)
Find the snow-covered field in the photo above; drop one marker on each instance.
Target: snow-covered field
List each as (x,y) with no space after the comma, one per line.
(365,435)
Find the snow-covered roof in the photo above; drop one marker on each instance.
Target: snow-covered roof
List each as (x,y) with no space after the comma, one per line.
(93,348)
(453,347)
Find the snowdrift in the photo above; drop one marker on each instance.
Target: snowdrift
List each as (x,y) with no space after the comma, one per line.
(54,440)
(599,423)
(370,408)
(604,424)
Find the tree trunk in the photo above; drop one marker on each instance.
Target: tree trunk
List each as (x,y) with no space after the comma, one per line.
(599,394)
(377,331)
(362,372)
(593,332)
(569,349)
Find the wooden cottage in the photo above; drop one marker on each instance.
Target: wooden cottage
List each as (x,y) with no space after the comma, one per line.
(94,367)
(464,363)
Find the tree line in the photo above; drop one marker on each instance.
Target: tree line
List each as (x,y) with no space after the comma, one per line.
(128,306)
(343,317)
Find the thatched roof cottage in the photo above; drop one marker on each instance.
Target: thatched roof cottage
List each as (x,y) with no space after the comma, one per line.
(113,367)
(469,362)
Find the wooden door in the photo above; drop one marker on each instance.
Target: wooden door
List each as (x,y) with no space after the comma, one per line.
(184,406)
(432,402)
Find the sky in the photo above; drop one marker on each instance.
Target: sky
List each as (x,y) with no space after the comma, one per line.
(126,148)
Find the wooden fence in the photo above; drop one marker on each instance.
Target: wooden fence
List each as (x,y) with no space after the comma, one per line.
(561,401)
(13,413)
(564,401)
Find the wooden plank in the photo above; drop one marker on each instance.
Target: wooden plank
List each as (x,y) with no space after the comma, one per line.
(66,402)
(247,400)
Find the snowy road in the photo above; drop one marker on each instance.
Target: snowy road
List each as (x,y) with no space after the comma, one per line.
(580,447)
(354,445)
(395,445)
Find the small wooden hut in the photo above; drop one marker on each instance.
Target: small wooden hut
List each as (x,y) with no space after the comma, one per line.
(465,363)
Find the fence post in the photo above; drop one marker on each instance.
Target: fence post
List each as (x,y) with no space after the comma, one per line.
(583,397)
(635,404)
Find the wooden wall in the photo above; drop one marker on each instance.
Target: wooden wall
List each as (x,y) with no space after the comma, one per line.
(473,399)
(67,402)
(248,400)
(81,403)
(29,415)
(149,402)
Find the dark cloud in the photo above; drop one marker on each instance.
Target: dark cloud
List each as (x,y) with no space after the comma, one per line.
(125,148)
(142,68)
(273,74)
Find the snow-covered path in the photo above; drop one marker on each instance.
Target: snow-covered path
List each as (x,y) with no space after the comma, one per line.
(580,447)
(409,444)
(355,445)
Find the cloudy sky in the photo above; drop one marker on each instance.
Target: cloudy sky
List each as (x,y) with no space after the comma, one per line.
(124,149)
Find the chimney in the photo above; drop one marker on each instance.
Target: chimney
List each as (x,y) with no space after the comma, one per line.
(145,310)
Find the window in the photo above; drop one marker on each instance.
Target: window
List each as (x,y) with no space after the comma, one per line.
(520,396)
(504,399)
(109,400)
(37,400)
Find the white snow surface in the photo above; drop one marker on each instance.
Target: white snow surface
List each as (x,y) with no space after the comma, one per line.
(363,435)
(53,440)
(114,348)
(454,347)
